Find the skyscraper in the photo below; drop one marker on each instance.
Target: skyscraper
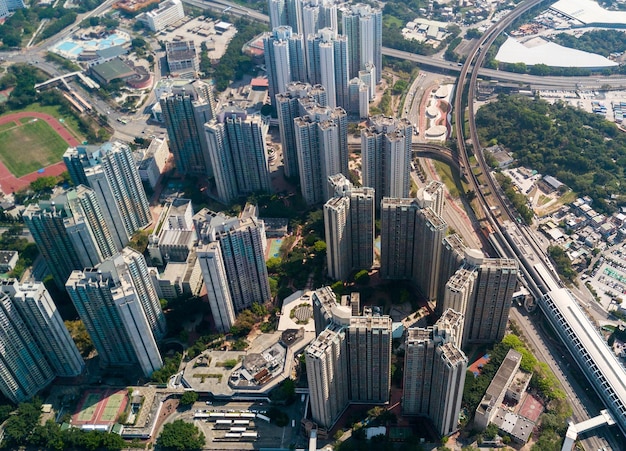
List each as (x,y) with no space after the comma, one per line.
(338,237)
(322,146)
(110,170)
(428,249)
(350,361)
(358,99)
(214,274)
(284,59)
(23,368)
(70,232)
(42,319)
(238,153)
(482,290)
(386,156)
(349,227)
(327,64)
(119,306)
(432,195)
(185,109)
(369,343)
(291,104)
(36,345)
(363,25)
(399,231)
(277,12)
(434,376)
(411,244)
(327,374)
(488,312)
(452,255)
(242,249)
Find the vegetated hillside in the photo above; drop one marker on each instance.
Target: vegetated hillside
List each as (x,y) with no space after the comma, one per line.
(602,42)
(582,150)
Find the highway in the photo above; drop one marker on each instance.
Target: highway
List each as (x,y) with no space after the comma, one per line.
(535,81)
(436,62)
(503,242)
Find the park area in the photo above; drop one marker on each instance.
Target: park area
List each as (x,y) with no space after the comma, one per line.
(32,144)
(100,407)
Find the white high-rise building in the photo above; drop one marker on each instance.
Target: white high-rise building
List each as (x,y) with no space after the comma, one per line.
(186,105)
(24,370)
(291,104)
(284,59)
(350,361)
(338,237)
(36,345)
(242,245)
(70,231)
(327,60)
(363,25)
(434,377)
(168,13)
(482,290)
(277,11)
(386,156)
(358,99)
(349,227)
(44,322)
(238,153)
(118,304)
(216,282)
(322,144)
(110,170)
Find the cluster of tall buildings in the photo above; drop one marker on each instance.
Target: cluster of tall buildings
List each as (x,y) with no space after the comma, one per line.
(305,46)
(473,293)
(317,77)
(231,255)
(350,362)
(206,140)
(415,246)
(36,345)
(82,236)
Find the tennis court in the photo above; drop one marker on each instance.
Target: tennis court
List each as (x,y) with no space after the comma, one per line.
(100,407)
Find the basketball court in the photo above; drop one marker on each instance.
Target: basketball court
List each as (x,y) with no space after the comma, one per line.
(531,408)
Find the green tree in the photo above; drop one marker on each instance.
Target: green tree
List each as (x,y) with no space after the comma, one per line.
(362,277)
(181,436)
(188,398)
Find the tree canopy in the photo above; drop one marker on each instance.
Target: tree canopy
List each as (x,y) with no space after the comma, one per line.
(582,150)
(602,42)
(181,436)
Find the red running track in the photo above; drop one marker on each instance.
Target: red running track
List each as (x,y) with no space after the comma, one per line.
(8,182)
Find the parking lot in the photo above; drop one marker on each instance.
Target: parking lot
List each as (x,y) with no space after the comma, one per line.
(609,278)
(268,435)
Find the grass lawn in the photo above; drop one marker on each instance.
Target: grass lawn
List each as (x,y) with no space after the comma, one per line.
(30,147)
(7,126)
(69,121)
(448,178)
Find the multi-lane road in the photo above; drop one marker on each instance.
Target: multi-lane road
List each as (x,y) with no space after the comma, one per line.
(579,400)
(34,55)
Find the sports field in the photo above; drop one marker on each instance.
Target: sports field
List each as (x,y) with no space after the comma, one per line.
(29,146)
(100,407)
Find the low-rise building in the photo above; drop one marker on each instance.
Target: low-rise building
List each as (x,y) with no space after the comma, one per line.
(153,161)
(169,12)
(182,58)
(8,260)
